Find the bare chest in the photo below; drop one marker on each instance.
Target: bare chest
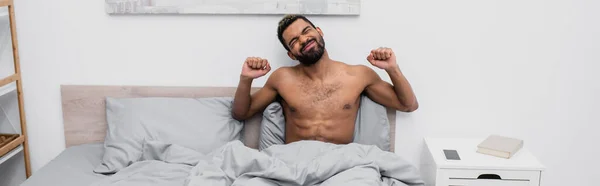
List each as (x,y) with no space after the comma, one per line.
(321,99)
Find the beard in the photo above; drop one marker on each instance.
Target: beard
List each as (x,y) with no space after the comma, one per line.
(313,55)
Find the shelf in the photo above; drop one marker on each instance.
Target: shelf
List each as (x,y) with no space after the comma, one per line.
(7,89)
(11,145)
(10,154)
(9,79)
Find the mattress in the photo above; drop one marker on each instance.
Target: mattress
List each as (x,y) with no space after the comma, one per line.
(72,167)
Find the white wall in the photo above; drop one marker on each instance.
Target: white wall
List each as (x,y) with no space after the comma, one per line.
(518,68)
(6,56)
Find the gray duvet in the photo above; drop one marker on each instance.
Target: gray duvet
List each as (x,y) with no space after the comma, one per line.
(300,163)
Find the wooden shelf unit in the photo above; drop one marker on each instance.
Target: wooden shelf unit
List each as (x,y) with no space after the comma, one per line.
(8,146)
(15,145)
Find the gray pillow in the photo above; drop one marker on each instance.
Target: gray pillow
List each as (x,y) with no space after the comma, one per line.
(202,124)
(371,127)
(272,126)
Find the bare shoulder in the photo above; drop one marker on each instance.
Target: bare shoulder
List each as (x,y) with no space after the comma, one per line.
(360,68)
(363,71)
(279,75)
(282,72)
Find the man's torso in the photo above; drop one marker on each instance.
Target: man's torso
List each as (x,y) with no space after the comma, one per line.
(323,110)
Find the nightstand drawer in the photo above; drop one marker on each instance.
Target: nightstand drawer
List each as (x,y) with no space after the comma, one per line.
(462,182)
(474,177)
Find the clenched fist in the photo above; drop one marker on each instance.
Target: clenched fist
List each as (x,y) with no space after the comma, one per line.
(255,67)
(383,58)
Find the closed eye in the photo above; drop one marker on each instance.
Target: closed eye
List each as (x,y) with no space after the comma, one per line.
(305,30)
(293,41)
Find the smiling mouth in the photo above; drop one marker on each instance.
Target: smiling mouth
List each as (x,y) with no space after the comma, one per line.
(308,46)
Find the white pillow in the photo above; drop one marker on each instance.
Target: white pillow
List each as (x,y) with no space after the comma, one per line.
(202,124)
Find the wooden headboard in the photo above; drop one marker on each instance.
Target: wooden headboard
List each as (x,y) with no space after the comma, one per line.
(84,114)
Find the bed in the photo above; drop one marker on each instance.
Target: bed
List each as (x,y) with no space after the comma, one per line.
(85,126)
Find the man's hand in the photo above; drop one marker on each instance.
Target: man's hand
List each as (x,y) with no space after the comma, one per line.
(255,67)
(399,95)
(383,58)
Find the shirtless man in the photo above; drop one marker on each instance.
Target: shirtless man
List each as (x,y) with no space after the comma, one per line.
(320,96)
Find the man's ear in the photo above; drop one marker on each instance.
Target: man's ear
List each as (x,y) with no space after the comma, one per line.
(291,55)
(320,31)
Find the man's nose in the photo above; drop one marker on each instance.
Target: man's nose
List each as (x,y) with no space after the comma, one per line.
(304,39)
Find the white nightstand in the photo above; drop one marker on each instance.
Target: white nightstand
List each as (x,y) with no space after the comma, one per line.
(475,169)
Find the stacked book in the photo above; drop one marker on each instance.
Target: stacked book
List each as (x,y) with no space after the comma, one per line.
(500,146)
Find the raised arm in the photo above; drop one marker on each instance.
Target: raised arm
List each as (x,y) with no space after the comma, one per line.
(399,94)
(246,105)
